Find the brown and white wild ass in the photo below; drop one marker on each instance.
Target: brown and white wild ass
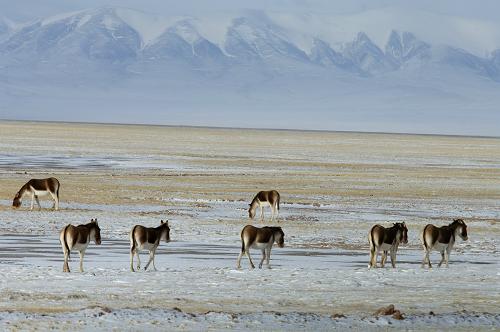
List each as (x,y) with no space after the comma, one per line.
(260,238)
(147,238)
(263,198)
(386,240)
(442,239)
(38,187)
(78,237)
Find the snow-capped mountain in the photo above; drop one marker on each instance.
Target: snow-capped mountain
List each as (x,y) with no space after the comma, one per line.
(96,35)
(102,35)
(257,38)
(113,57)
(401,48)
(182,42)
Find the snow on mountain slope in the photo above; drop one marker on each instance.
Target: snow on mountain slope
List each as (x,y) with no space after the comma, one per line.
(188,70)
(93,35)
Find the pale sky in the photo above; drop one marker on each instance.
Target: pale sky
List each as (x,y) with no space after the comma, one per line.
(29,9)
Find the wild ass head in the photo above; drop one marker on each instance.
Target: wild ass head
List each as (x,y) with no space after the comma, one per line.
(94,227)
(251,211)
(460,228)
(279,237)
(17,200)
(402,231)
(165,231)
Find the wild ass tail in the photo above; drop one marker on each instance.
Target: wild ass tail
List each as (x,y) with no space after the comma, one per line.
(242,243)
(422,237)
(370,240)
(132,239)
(64,242)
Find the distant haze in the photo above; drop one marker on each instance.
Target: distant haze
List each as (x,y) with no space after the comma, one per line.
(391,66)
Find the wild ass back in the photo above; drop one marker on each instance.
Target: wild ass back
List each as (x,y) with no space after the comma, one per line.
(263,198)
(78,237)
(442,239)
(385,240)
(147,238)
(260,238)
(38,187)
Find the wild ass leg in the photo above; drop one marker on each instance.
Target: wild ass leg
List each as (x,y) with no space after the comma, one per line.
(38,202)
(425,257)
(277,211)
(32,201)
(268,256)
(447,256)
(261,213)
(373,258)
(132,253)
(372,254)
(247,251)
(442,258)
(273,211)
(138,259)
(383,258)
(66,265)
(55,206)
(151,259)
(393,258)
(238,265)
(82,254)
(263,257)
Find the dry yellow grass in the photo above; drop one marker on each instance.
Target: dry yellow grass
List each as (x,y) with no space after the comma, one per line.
(231,163)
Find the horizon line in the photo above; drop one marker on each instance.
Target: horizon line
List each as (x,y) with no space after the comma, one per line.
(247,128)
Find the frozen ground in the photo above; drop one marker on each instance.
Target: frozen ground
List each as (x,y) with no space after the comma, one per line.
(333,191)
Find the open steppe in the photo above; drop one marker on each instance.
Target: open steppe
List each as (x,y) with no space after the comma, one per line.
(334,187)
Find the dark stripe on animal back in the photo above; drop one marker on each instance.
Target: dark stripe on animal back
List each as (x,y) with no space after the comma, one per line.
(445,234)
(152,236)
(390,235)
(83,234)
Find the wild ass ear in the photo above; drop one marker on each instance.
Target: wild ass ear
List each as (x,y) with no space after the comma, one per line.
(161,221)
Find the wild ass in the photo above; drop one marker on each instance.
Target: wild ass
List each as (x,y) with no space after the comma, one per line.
(78,237)
(147,238)
(263,198)
(260,238)
(386,239)
(442,239)
(38,187)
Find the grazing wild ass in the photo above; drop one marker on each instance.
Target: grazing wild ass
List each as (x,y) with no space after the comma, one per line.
(260,238)
(38,187)
(442,239)
(263,198)
(147,238)
(386,239)
(78,237)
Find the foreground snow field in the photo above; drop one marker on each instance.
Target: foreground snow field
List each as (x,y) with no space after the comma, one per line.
(334,187)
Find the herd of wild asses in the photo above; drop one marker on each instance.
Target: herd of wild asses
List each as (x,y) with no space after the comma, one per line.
(381,239)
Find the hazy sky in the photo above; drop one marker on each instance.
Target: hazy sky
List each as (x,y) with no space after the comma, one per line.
(29,9)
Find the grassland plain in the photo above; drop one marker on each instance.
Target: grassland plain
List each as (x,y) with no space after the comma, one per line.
(334,186)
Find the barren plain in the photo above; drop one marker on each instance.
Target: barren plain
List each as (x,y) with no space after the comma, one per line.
(334,186)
